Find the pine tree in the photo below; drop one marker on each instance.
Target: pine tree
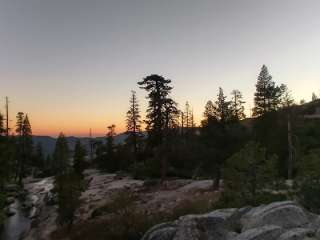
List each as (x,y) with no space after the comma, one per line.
(209,111)
(61,155)
(25,144)
(110,161)
(158,89)
(189,125)
(221,108)
(27,141)
(79,158)
(134,123)
(68,187)
(286,98)
(236,105)
(171,114)
(19,123)
(268,95)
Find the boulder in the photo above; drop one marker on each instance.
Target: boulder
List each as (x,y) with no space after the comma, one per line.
(163,231)
(277,221)
(285,214)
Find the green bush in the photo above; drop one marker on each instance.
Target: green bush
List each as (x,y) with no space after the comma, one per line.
(309,194)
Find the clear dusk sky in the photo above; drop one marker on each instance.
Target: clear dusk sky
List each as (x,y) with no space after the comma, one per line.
(71,64)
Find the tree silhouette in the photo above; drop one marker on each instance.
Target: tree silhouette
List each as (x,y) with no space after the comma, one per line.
(161,106)
(61,155)
(267,96)
(68,187)
(133,123)
(25,144)
(110,161)
(286,98)
(208,111)
(236,105)
(78,158)
(19,123)
(221,108)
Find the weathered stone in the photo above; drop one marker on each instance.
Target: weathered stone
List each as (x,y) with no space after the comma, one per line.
(283,214)
(269,232)
(297,234)
(276,221)
(188,230)
(156,231)
(206,226)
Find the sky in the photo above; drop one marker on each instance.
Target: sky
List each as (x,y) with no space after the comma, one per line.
(71,64)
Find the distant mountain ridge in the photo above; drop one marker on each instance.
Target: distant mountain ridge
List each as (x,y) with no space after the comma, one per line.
(48,143)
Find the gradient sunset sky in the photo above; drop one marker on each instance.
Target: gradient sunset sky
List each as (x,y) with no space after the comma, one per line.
(71,64)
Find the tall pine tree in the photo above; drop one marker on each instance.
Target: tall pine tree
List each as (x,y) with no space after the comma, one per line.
(134,123)
(79,158)
(25,145)
(236,105)
(267,97)
(160,106)
(61,155)
(208,111)
(221,108)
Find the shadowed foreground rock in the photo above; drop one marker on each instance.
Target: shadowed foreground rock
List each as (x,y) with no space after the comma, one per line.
(276,221)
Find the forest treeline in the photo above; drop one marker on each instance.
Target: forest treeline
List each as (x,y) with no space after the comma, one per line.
(248,154)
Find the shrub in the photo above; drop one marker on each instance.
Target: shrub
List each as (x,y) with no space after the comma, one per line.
(309,194)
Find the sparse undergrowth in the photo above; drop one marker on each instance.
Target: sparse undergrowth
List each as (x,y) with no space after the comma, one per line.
(121,219)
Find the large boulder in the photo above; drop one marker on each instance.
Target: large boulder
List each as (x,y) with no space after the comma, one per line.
(276,221)
(285,214)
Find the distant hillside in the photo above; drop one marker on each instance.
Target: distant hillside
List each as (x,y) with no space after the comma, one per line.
(48,143)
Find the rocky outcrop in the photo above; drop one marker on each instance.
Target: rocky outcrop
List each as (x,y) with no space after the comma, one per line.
(276,221)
